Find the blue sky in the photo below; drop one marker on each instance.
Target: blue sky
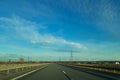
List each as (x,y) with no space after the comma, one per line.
(50,29)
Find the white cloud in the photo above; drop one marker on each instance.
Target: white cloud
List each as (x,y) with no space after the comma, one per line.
(29,31)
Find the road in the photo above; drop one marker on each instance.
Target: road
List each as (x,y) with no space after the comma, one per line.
(59,72)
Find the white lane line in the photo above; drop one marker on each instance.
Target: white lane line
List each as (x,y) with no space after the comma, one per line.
(66,75)
(64,72)
(26,74)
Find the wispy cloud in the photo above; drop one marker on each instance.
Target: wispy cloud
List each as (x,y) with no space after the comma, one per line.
(104,14)
(109,19)
(30,31)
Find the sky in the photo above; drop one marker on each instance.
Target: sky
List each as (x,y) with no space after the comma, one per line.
(48,30)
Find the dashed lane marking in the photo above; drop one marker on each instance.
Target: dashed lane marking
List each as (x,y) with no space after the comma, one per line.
(66,75)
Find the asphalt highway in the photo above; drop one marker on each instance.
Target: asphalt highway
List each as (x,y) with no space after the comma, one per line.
(59,72)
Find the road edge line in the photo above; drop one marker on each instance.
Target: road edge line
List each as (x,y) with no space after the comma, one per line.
(25,74)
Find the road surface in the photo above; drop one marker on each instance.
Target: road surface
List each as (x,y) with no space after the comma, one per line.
(59,72)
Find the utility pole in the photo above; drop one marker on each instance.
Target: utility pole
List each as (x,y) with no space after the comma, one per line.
(28,59)
(71,56)
(59,59)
